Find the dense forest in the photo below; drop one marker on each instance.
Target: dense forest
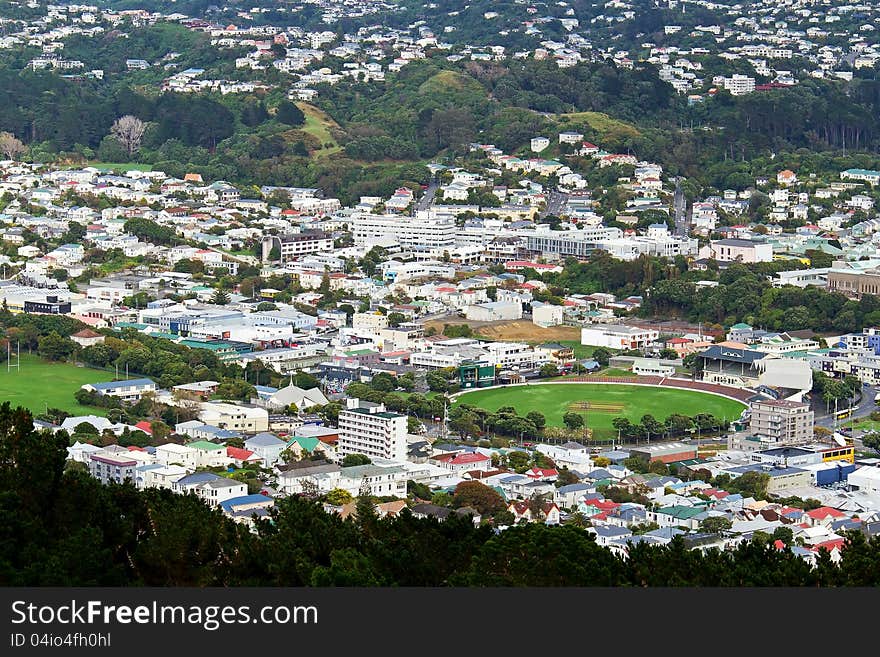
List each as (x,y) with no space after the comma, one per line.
(61,527)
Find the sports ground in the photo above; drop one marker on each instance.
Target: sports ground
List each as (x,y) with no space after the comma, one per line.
(601,403)
(39,383)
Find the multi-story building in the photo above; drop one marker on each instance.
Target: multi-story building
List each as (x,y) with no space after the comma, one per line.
(853,282)
(615,336)
(367,428)
(739,85)
(247,419)
(577,243)
(866,175)
(514,355)
(782,422)
(107,468)
(296,245)
(426,231)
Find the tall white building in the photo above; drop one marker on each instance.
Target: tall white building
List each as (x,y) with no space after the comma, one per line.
(739,85)
(367,428)
(426,231)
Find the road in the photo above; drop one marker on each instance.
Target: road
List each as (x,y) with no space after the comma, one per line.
(682,225)
(864,408)
(555,203)
(428,197)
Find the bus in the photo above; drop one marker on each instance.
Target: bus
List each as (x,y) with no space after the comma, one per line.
(842,415)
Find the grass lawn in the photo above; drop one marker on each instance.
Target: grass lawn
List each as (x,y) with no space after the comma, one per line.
(318,125)
(628,401)
(581,351)
(39,383)
(862,424)
(616,371)
(605,126)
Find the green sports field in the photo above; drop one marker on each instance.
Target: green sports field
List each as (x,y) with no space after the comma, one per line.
(604,402)
(39,383)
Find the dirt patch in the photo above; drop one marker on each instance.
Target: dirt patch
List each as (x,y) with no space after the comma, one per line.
(515,331)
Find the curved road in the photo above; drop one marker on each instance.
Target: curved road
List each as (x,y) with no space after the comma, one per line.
(863,408)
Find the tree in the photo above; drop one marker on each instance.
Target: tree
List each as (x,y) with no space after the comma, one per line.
(751,484)
(54,347)
(573,421)
(355,459)
(290,114)
(872,441)
(624,427)
(220,297)
(464,424)
(11,146)
(396,319)
(651,426)
(602,356)
(86,428)
(478,496)
(338,497)
(437,382)
(537,418)
(129,130)
(784,534)
(715,524)
(519,461)
(566,477)
(549,370)
(693,362)
(383,382)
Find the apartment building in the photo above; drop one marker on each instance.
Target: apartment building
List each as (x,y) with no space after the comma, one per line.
(296,245)
(107,467)
(782,422)
(426,231)
(616,336)
(739,85)
(369,429)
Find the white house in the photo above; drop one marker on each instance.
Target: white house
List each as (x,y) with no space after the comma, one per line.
(570,137)
(538,144)
(267,446)
(172,453)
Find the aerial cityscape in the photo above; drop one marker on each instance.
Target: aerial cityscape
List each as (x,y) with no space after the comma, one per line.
(409,293)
